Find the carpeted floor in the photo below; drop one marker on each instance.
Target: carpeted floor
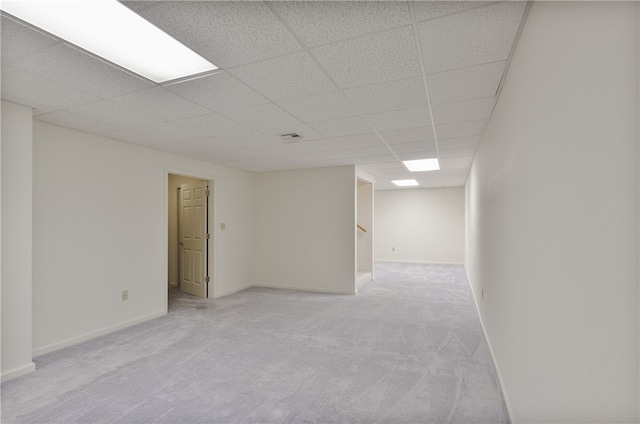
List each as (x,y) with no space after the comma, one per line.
(407,349)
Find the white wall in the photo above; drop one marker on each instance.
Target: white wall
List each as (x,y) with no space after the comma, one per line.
(16,239)
(364,218)
(423,225)
(100,227)
(305,229)
(552,217)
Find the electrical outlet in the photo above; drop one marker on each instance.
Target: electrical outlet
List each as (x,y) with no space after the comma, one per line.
(125,295)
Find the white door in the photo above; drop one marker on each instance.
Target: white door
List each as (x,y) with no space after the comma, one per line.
(193,236)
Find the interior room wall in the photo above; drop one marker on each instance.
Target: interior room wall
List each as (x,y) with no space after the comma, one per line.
(305,229)
(552,217)
(420,225)
(16,201)
(100,227)
(175,181)
(364,218)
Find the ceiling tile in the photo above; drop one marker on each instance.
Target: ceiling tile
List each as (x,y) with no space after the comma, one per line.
(19,41)
(285,77)
(74,68)
(71,120)
(115,114)
(359,140)
(392,95)
(458,142)
(415,147)
(263,118)
(400,119)
(217,92)
(434,9)
(325,22)
(407,135)
(460,129)
(226,33)
(469,110)
(223,128)
(374,58)
(377,159)
(465,84)
(426,154)
(169,132)
(477,36)
(342,127)
(40,93)
(160,102)
(361,152)
(319,107)
(332,155)
(461,152)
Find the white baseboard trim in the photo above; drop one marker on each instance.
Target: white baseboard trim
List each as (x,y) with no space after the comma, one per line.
(299,288)
(397,261)
(15,373)
(92,335)
(493,356)
(231,291)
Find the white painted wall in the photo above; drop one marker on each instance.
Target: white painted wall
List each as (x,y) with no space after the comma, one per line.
(552,217)
(364,239)
(305,229)
(100,227)
(423,225)
(16,179)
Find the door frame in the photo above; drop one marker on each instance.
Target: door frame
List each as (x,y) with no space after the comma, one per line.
(211,214)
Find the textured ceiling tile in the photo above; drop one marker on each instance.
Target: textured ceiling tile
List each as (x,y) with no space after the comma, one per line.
(462,152)
(332,155)
(434,9)
(465,84)
(217,92)
(461,129)
(285,77)
(221,127)
(71,120)
(115,114)
(415,147)
(424,154)
(387,96)
(408,135)
(226,33)
(38,92)
(342,127)
(399,119)
(325,22)
(169,132)
(453,143)
(377,159)
(271,120)
(361,152)
(19,40)
(319,107)
(74,68)
(470,110)
(160,102)
(470,38)
(360,140)
(370,59)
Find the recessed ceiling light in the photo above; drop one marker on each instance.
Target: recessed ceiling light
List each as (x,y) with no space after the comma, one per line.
(420,165)
(405,183)
(112,31)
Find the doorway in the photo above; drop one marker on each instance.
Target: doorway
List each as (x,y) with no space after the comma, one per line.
(189,235)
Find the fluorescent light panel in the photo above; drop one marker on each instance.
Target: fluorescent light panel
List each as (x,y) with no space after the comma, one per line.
(112,31)
(405,183)
(420,165)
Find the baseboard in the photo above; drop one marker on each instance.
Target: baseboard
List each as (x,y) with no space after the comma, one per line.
(92,335)
(231,291)
(10,375)
(493,357)
(398,261)
(299,288)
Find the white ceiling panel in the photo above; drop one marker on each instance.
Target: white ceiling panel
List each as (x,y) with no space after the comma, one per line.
(434,9)
(418,155)
(19,41)
(415,147)
(40,93)
(169,132)
(223,128)
(342,127)
(469,110)
(408,135)
(377,159)
(333,155)
(387,96)
(325,21)
(461,152)
(115,114)
(217,92)
(71,67)
(68,119)
(454,143)
(315,146)
(359,140)
(370,59)
(474,37)
(400,119)
(460,129)
(465,84)
(160,102)
(320,107)
(363,152)
(285,77)
(226,33)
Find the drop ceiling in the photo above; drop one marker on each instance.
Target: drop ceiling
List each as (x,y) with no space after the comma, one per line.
(364,83)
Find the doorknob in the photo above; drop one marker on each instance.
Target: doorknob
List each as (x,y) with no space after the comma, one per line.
(181,244)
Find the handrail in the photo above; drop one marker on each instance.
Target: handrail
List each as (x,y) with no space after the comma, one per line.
(361,228)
